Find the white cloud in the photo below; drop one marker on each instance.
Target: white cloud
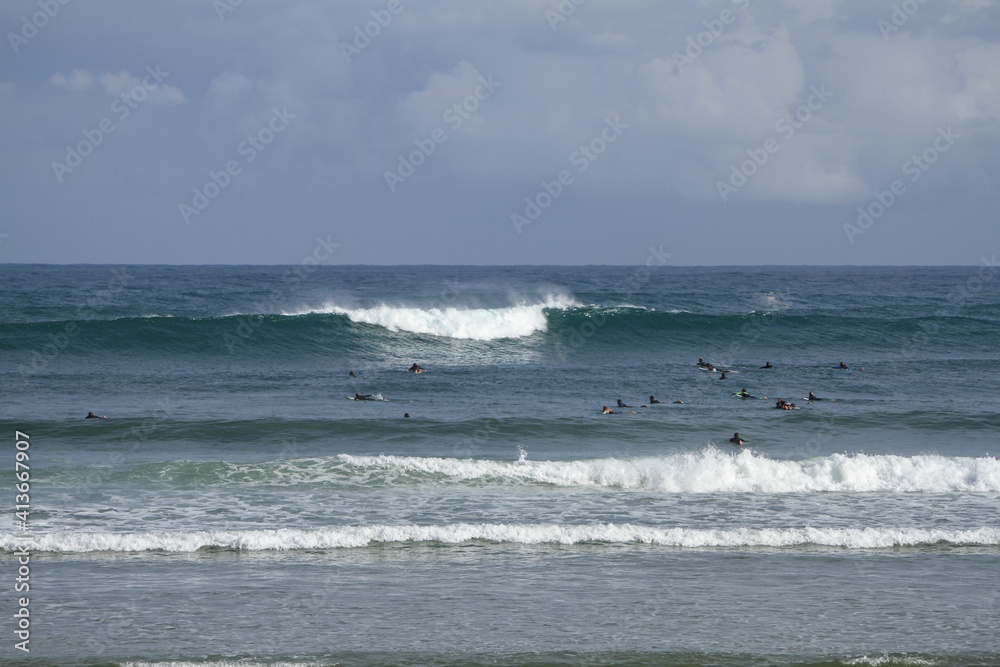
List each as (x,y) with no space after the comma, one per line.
(425,108)
(145,86)
(78,79)
(124,83)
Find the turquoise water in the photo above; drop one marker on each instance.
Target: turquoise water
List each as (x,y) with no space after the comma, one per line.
(234,508)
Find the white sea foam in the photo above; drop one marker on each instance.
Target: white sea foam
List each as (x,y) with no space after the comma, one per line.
(346,537)
(713,471)
(515,321)
(887,659)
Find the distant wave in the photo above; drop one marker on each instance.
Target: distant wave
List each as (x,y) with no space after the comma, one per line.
(469,323)
(348,537)
(558,318)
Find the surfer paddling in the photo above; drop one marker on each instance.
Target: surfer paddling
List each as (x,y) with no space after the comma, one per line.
(743,393)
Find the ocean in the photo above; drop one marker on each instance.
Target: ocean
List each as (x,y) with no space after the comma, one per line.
(234,508)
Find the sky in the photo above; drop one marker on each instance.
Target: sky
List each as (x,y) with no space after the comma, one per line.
(714,132)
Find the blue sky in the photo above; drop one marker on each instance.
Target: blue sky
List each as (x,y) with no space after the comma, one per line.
(520,132)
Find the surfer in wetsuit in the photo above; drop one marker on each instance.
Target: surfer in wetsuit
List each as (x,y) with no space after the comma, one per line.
(653,400)
(723,376)
(844,366)
(91,415)
(813,397)
(784,405)
(742,393)
(351,375)
(607,411)
(767,365)
(622,405)
(416,369)
(736,439)
(366,397)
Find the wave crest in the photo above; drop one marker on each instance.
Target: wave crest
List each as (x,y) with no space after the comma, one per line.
(712,471)
(516,321)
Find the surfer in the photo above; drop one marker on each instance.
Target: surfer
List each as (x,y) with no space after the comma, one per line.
(676,402)
(91,415)
(366,397)
(622,405)
(416,368)
(844,366)
(742,393)
(351,375)
(767,365)
(607,411)
(784,405)
(723,376)
(653,400)
(736,439)
(406,415)
(701,362)
(813,397)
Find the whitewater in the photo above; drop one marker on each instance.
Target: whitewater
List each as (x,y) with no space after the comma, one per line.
(712,471)
(516,321)
(346,537)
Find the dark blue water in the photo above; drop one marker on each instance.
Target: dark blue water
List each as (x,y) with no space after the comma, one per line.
(235,508)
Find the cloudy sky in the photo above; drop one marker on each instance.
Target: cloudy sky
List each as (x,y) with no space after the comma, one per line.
(500,132)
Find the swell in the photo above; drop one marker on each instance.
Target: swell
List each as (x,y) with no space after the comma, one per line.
(789,330)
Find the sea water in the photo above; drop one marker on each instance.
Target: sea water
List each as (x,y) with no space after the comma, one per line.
(235,509)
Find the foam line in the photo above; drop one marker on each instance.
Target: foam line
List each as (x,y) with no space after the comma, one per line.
(348,537)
